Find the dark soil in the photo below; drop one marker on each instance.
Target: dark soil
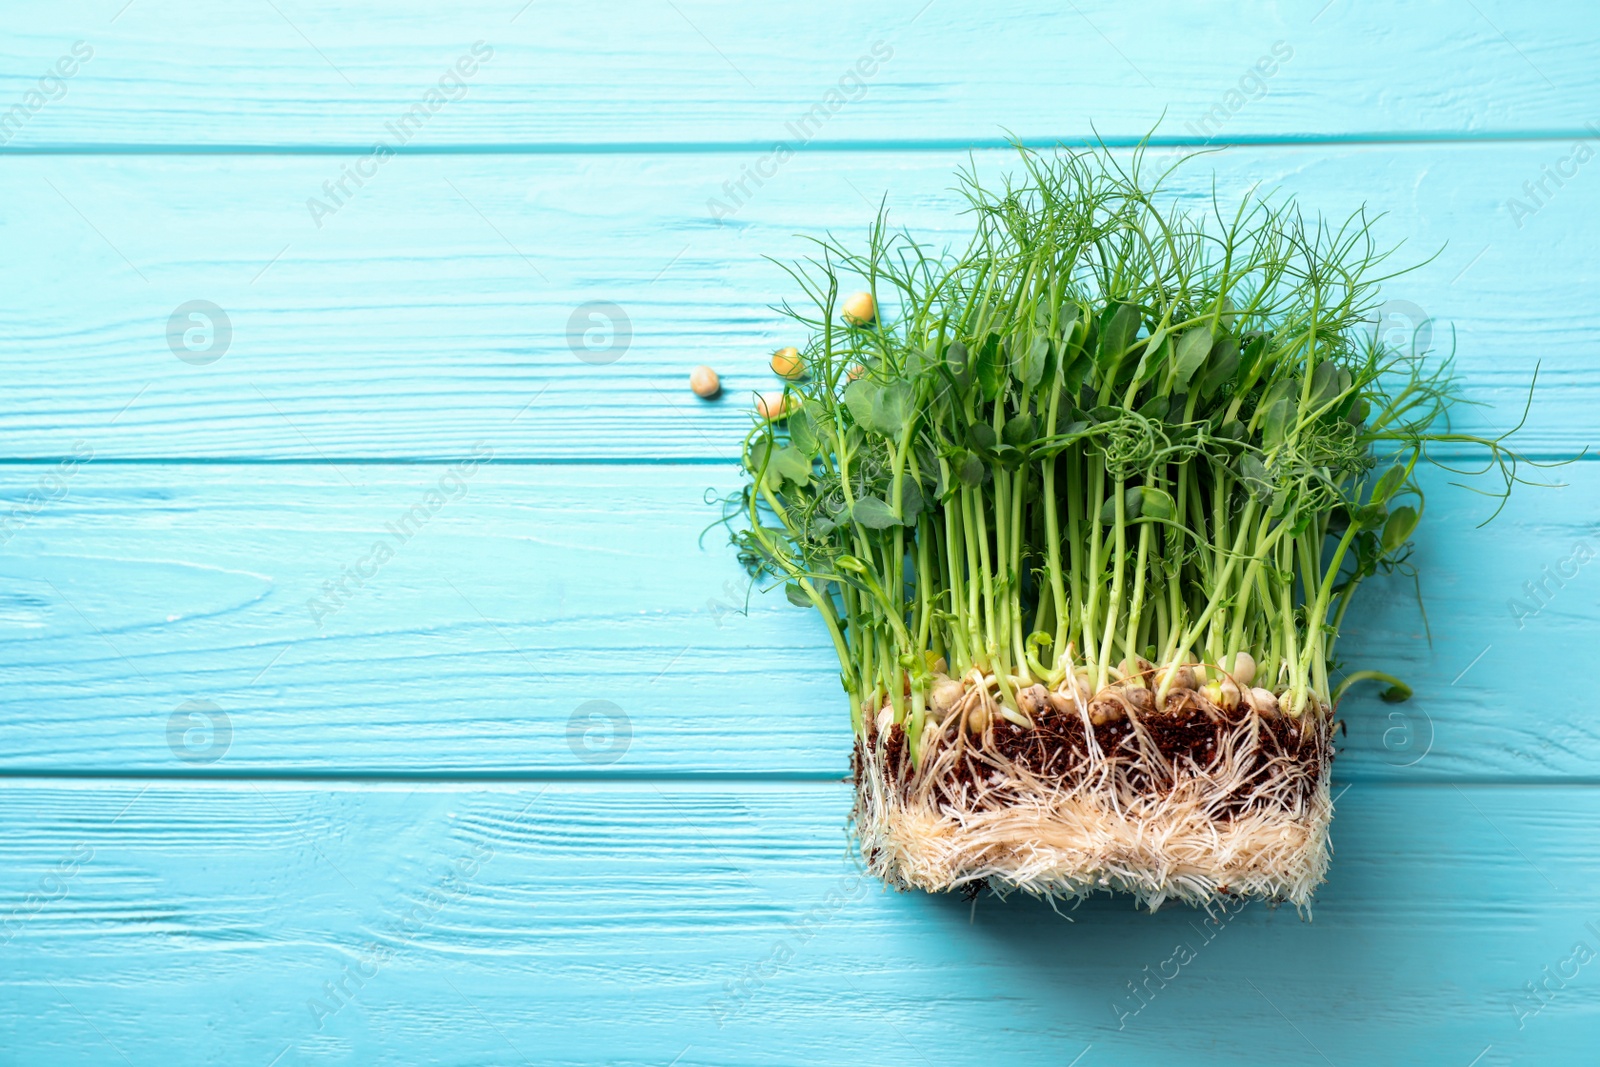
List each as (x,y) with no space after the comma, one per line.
(1055,749)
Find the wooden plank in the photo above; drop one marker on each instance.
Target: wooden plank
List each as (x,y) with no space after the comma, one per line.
(295,73)
(638,924)
(532,591)
(438,307)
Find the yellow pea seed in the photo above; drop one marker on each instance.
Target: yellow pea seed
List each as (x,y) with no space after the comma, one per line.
(786,363)
(774,405)
(704,382)
(859,309)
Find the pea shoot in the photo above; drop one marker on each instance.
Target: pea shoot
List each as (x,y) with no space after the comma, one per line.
(1082,508)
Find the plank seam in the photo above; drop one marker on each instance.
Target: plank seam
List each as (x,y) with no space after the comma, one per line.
(1411,138)
(752,778)
(547,461)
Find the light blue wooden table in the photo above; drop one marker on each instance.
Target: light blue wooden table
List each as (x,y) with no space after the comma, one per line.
(527,785)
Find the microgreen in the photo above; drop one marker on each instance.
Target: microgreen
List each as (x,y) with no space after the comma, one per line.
(1108,431)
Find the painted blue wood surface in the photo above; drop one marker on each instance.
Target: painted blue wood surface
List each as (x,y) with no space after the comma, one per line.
(543,791)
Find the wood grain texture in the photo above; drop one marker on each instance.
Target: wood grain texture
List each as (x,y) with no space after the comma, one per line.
(297,73)
(532,591)
(636,924)
(419,800)
(437,307)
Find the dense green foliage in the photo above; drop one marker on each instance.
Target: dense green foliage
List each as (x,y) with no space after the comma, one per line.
(1107,429)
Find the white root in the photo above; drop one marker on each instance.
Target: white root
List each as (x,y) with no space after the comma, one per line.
(1123,816)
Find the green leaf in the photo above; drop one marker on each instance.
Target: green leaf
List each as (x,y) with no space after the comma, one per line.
(874,514)
(1116,335)
(1156,504)
(990,366)
(1008,456)
(1221,367)
(1156,407)
(1077,372)
(1397,531)
(1254,475)
(1066,320)
(891,409)
(755,453)
(1282,389)
(1387,484)
(1325,383)
(911,502)
(796,595)
(1276,424)
(1156,355)
(1370,516)
(792,464)
(859,398)
(1029,368)
(1249,361)
(1178,402)
(1019,430)
(956,360)
(803,432)
(970,470)
(1132,502)
(1193,348)
(780,464)
(981,436)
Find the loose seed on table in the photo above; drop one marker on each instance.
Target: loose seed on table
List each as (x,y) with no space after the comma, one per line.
(704,382)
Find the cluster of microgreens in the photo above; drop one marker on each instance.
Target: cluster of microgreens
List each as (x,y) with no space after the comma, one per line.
(1106,432)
